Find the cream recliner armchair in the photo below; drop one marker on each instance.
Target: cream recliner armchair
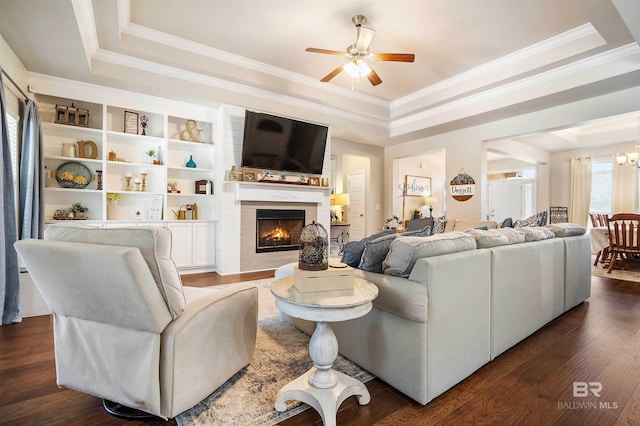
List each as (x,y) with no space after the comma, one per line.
(125,329)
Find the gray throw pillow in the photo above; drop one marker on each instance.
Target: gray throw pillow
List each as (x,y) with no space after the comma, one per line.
(375,251)
(352,251)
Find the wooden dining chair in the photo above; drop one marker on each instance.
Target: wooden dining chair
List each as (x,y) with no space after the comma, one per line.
(599,220)
(623,238)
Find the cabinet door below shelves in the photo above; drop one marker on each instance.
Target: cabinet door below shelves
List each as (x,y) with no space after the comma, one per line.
(181,244)
(204,244)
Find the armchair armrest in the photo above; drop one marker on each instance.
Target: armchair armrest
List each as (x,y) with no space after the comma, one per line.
(212,339)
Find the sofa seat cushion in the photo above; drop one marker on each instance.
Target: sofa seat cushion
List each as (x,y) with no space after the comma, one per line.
(153,242)
(407,299)
(537,233)
(375,251)
(404,251)
(567,229)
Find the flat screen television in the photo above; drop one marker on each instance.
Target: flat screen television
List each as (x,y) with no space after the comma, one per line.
(283,144)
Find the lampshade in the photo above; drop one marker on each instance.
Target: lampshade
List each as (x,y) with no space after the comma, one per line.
(621,159)
(430,201)
(341,199)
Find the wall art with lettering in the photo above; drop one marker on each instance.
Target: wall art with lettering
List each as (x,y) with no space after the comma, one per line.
(462,187)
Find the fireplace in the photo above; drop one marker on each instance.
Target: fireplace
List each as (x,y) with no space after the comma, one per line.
(278,230)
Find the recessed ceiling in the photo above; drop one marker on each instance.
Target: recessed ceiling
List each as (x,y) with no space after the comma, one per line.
(252,53)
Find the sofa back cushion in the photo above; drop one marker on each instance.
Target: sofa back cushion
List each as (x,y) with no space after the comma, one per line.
(566,229)
(537,233)
(488,238)
(463,225)
(404,251)
(154,244)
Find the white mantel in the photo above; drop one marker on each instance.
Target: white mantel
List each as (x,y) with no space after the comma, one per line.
(275,192)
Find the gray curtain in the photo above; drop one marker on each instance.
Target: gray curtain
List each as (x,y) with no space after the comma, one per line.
(31,220)
(10,285)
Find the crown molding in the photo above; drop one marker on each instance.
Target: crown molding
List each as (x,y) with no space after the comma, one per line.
(546,52)
(619,61)
(83,11)
(233,87)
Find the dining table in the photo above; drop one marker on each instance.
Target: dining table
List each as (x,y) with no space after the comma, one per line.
(599,239)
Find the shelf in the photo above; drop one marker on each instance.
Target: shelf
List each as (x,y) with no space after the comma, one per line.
(179,142)
(78,159)
(188,195)
(191,169)
(47,126)
(132,164)
(134,137)
(71,190)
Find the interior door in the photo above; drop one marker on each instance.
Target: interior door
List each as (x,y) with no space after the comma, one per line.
(356,183)
(505,199)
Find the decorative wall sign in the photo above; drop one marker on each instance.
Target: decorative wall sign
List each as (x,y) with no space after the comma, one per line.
(417,186)
(131,122)
(463,187)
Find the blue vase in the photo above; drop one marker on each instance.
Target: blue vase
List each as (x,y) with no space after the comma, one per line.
(191,163)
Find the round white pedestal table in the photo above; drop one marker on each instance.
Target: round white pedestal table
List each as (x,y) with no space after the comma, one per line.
(322,387)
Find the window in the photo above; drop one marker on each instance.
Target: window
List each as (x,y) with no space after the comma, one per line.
(601,184)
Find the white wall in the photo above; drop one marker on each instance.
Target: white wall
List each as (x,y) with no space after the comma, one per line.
(560,193)
(354,157)
(466,149)
(431,165)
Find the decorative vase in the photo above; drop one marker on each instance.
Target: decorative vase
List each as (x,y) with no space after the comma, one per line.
(191,163)
(112,208)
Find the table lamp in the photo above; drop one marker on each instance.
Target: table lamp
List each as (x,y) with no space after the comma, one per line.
(342,200)
(430,201)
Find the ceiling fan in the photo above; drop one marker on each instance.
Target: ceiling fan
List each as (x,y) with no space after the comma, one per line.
(358,54)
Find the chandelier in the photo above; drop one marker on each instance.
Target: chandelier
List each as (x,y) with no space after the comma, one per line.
(630,158)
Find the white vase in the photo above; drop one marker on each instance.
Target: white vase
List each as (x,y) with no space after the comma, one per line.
(112,210)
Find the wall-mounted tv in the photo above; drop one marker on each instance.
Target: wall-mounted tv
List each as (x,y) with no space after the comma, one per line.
(283,144)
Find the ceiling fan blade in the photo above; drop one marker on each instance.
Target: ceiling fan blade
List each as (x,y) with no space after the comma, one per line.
(374,78)
(365,37)
(325,51)
(396,57)
(332,74)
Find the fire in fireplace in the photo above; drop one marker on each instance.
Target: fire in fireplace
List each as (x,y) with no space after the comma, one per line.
(278,230)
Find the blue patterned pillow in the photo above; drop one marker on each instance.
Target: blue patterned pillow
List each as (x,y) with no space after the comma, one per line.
(375,251)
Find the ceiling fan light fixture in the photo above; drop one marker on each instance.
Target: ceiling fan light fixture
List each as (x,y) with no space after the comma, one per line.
(357,68)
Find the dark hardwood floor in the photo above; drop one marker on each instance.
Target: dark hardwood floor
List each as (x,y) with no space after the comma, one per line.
(531,384)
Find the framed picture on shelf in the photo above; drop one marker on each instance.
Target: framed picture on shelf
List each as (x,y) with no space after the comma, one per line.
(201,186)
(155,213)
(314,181)
(131,122)
(249,175)
(417,186)
(172,187)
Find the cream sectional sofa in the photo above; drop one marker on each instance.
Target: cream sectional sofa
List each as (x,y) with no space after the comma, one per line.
(443,316)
